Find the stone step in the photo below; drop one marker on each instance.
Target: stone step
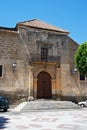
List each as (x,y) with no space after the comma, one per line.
(41,105)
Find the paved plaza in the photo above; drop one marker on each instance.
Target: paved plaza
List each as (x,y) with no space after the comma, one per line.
(62,119)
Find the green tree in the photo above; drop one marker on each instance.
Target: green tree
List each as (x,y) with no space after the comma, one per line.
(81,58)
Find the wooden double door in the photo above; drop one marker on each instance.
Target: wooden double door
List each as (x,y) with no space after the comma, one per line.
(44,86)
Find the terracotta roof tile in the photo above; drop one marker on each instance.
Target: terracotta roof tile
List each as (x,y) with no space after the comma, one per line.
(40,24)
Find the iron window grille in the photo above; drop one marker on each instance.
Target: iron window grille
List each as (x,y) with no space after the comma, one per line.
(44,54)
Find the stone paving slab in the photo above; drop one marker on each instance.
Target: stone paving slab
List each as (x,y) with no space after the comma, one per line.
(70,119)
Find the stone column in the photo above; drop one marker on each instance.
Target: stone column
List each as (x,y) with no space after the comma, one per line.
(53,81)
(35,87)
(58,81)
(30,86)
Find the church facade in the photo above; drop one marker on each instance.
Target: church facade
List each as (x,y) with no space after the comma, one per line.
(37,60)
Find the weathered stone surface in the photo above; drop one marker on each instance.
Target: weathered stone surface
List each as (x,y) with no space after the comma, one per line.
(44,105)
(23,46)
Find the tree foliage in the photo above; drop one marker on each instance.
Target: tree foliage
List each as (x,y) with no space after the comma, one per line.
(81,58)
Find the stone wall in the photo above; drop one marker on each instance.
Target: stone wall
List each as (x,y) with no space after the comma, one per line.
(13,83)
(35,39)
(59,46)
(24,48)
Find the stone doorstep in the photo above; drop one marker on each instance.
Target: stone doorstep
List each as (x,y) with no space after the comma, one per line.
(40,105)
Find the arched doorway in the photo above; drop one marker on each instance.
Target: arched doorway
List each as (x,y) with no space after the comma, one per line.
(44,86)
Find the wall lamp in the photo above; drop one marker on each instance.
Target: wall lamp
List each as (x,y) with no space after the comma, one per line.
(74,71)
(14,64)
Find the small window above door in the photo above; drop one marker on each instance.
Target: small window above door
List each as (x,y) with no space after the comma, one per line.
(44,54)
(1,70)
(82,77)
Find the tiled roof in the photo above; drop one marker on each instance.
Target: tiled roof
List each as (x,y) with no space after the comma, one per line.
(6,29)
(35,23)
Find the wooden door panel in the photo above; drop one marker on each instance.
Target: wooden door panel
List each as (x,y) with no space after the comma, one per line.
(44,85)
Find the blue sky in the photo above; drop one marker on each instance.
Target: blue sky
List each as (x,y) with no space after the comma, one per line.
(70,15)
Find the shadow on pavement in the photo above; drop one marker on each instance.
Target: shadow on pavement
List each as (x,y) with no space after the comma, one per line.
(3,122)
